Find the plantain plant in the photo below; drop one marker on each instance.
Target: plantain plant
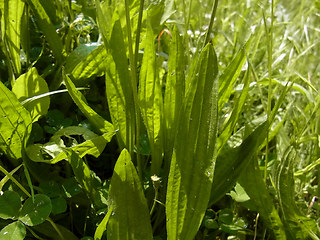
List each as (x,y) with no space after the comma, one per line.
(153,120)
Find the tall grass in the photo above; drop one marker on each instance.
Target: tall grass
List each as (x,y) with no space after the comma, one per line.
(159,119)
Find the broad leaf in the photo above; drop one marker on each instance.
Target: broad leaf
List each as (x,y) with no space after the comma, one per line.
(193,160)
(29,85)
(15,124)
(130,217)
(37,211)
(233,161)
(252,181)
(10,205)
(86,61)
(13,231)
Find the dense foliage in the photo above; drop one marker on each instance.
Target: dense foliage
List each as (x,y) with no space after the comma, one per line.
(159,119)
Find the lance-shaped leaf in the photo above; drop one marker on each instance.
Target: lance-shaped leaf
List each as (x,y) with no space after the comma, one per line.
(15,124)
(299,226)
(193,159)
(86,61)
(130,217)
(150,101)
(118,88)
(11,29)
(29,85)
(232,162)
(252,181)
(175,90)
(95,119)
(83,175)
(47,28)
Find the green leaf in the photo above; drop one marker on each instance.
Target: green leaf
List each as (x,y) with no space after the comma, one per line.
(86,61)
(233,161)
(59,205)
(15,124)
(229,127)
(51,232)
(37,211)
(11,28)
(175,91)
(10,205)
(13,231)
(30,85)
(47,28)
(229,77)
(102,227)
(252,181)
(300,226)
(83,174)
(93,145)
(193,160)
(94,118)
(119,90)
(130,217)
(150,101)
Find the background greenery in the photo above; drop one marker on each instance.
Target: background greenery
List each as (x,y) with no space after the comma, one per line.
(140,120)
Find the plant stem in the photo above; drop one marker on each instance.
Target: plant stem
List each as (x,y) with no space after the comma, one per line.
(213,15)
(14,180)
(269,34)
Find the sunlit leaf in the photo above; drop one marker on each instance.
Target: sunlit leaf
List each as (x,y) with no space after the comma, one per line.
(130,217)
(193,160)
(13,231)
(29,85)
(95,119)
(37,211)
(150,101)
(15,124)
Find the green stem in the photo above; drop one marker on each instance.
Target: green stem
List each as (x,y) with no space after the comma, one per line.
(14,180)
(213,15)
(269,34)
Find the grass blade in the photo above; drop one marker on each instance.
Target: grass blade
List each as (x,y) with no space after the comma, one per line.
(229,77)
(193,160)
(130,216)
